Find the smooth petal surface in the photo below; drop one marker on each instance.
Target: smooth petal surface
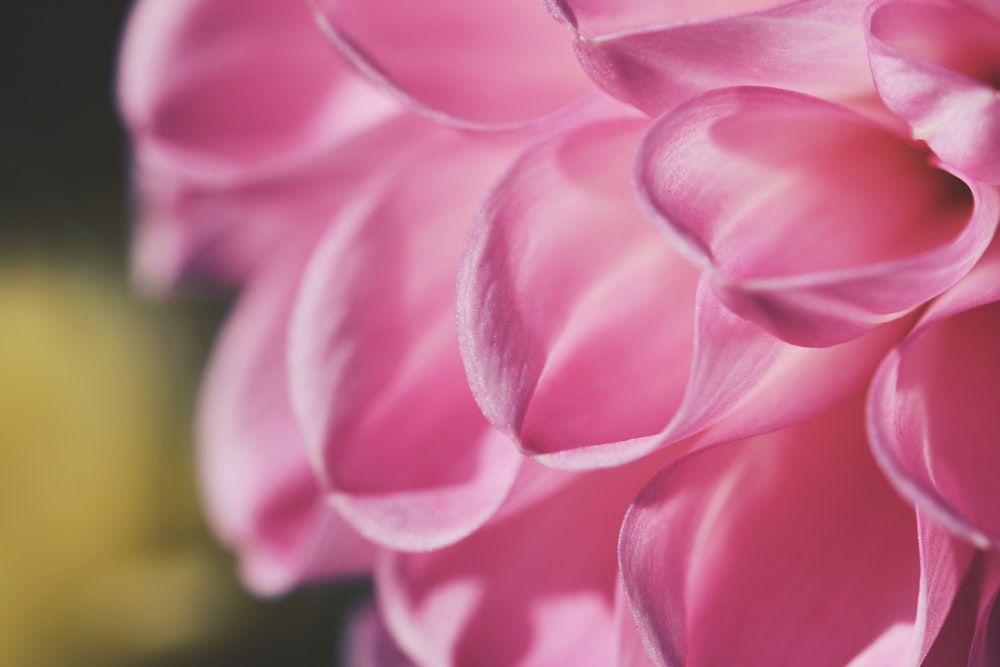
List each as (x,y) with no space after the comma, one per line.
(590,342)
(537,588)
(488,64)
(934,412)
(244,127)
(937,64)
(376,375)
(789,549)
(259,490)
(658,55)
(814,221)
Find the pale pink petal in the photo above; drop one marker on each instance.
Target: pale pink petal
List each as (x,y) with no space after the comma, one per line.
(656,56)
(369,644)
(535,589)
(377,380)
(489,63)
(259,490)
(937,64)
(934,415)
(588,341)
(242,122)
(789,549)
(814,221)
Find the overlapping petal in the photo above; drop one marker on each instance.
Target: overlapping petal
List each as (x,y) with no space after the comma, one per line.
(488,64)
(536,588)
(933,416)
(258,486)
(369,643)
(591,343)
(937,64)
(658,55)
(242,122)
(786,549)
(377,380)
(814,221)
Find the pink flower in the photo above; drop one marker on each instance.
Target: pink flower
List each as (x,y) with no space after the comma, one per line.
(648,439)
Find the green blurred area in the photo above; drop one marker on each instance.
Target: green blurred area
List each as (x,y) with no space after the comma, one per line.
(104,558)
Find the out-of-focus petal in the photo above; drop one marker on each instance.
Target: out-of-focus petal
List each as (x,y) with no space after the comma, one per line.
(534,589)
(242,122)
(259,489)
(590,342)
(937,64)
(814,221)
(657,55)
(377,379)
(490,63)
(369,644)
(934,413)
(985,650)
(787,549)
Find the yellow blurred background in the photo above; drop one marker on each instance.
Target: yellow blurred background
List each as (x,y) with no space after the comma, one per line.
(104,558)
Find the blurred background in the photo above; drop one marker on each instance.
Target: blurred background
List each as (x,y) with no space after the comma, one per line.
(104,558)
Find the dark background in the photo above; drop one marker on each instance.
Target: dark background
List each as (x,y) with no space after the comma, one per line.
(64,201)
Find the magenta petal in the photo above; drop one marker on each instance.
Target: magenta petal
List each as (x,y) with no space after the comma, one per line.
(260,493)
(791,547)
(933,416)
(567,296)
(937,64)
(656,57)
(815,222)
(245,130)
(534,589)
(491,63)
(377,380)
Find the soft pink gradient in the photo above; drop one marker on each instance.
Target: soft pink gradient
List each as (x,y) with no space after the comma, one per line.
(597,333)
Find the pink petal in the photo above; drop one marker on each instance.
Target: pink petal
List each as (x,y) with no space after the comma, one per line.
(260,493)
(567,297)
(243,125)
(655,56)
(933,415)
(369,643)
(937,64)
(986,641)
(814,221)
(491,63)
(537,588)
(377,380)
(786,549)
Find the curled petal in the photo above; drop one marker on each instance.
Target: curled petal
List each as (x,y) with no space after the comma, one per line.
(259,490)
(567,296)
(657,55)
(376,376)
(488,64)
(369,644)
(536,588)
(245,129)
(937,64)
(790,546)
(933,413)
(814,221)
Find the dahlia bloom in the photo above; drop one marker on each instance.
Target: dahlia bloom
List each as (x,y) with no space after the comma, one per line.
(664,341)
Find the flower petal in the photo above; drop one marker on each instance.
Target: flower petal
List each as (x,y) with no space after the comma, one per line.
(790,546)
(534,589)
(369,643)
(260,493)
(567,297)
(492,63)
(244,127)
(377,380)
(933,413)
(658,56)
(815,222)
(937,64)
